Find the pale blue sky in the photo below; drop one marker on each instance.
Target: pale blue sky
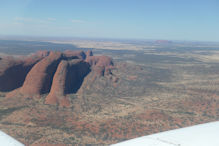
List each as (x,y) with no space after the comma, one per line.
(143,19)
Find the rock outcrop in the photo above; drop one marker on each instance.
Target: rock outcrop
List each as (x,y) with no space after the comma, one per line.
(67,79)
(74,54)
(39,79)
(14,70)
(57,93)
(56,73)
(102,65)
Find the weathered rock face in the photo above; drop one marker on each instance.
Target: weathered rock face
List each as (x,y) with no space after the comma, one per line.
(102,65)
(77,70)
(39,79)
(14,70)
(67,79)
(57,93)
(55,73)
(74,54)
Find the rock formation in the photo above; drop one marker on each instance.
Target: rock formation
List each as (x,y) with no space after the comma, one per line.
(57,93)
(14,70)
(39,79)
(74,54)
(67,79)
(56,73)
(102,65)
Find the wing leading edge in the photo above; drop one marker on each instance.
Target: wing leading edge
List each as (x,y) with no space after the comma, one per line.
(6,140)
(198,135)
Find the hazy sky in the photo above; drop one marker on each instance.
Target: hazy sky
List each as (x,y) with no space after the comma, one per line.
(146,19)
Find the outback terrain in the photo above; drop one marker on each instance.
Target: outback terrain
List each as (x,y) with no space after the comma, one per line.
(105,92)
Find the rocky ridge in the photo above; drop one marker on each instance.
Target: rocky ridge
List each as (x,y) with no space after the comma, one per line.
(55,73)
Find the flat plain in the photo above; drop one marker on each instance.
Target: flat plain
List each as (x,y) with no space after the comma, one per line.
(155,86)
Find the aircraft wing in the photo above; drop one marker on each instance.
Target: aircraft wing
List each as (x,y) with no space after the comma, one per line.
(198,135)
(6,140)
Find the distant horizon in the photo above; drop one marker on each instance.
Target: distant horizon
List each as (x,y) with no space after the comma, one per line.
(188,20)
(34,38)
